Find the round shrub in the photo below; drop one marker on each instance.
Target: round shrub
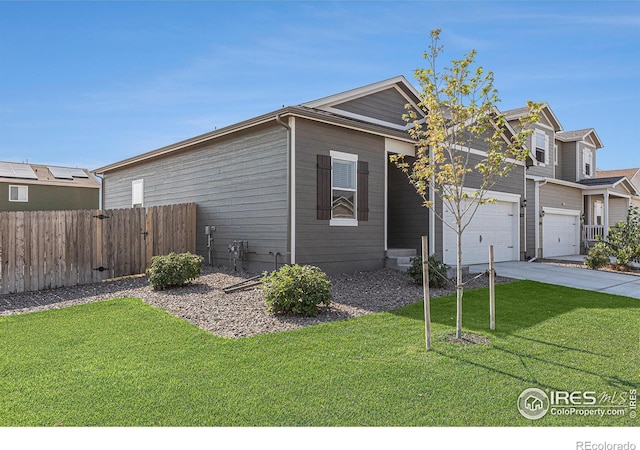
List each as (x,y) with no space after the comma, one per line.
(437,271)
(598,256)
(296,289)
(174,270)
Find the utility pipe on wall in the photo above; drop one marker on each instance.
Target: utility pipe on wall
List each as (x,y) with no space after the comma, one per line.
(280,122)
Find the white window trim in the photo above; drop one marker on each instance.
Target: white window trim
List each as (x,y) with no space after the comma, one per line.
(587,158)
(134,184)
(345,222)
(20,188)
(534,137)
(555,151)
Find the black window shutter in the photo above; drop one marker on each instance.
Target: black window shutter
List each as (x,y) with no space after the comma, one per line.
(324,187)
(363,190)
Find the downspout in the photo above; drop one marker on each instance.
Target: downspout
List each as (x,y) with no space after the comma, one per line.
(101,205)
(280,122)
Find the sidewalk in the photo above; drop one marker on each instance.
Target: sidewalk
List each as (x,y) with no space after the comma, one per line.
(592,280)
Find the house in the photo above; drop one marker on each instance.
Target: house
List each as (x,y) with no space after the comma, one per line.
(633,175)
(36,187)
(313,184)
(567,206)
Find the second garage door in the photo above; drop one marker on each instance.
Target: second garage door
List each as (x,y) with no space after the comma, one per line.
(560,232)
(494,224)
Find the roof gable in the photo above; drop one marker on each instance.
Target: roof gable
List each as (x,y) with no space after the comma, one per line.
(547,116)
(381,103)
(588,135)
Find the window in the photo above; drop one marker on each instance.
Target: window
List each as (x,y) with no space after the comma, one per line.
(342,187)
(19,194)
(137,193)
(587,157)
(597,211)
(542,147)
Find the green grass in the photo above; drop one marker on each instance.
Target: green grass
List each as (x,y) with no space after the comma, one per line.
(125,363)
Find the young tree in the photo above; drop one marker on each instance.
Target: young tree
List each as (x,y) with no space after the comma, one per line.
(459,108)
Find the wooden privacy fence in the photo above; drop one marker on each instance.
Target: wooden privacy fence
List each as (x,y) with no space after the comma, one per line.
(48,249)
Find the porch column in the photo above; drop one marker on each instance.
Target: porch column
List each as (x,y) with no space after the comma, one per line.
(605,213)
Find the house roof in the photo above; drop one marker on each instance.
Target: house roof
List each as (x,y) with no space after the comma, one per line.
(327,109)
(629,173)
(600,181)
(39,174)
(289,111)
(610,182)
(579,135)
(512,114)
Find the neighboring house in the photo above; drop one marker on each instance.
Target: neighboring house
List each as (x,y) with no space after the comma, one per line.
(313,184)
(633,175)
(567,206)
(35,187)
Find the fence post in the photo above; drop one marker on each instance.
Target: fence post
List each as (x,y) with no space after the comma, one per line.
(492,291)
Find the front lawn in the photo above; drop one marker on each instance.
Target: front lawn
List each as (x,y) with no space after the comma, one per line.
(125,363)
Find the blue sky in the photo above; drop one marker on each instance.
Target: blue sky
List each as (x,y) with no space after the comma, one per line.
(90,83)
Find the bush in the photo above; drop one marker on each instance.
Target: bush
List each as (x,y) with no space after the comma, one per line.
(174,270)
(622,242)
(296,289)
(598,257)
(437,271)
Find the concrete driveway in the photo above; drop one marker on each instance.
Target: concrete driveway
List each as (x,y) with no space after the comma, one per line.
(592,280)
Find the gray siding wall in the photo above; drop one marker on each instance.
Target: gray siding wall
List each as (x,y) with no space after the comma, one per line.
(531,219)
(407,218)
(337,248)
(387,105)
(557,196)
(239,184)
(50,198)
(617,210)
(568,169)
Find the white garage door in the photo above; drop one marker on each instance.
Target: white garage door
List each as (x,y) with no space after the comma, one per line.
(493,224)
(560,233)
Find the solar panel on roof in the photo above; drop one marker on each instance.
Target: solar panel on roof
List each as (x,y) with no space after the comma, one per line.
(78,173)
(67,173)
(60,173)
(17,170)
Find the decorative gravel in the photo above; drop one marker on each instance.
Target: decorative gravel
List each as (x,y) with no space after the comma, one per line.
(243,313)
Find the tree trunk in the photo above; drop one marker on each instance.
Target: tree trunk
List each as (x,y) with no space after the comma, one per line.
(425,287)
(459,283)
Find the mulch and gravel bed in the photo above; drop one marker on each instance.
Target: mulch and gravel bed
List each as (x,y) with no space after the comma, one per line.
(240,314)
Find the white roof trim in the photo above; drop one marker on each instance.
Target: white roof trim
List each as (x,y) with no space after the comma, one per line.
(361,92)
